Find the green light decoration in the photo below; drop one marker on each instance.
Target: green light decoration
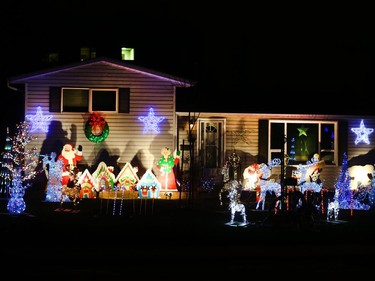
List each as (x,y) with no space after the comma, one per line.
(96,128)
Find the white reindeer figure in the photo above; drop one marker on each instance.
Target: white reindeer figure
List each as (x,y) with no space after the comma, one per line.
(267,186)
(236,207)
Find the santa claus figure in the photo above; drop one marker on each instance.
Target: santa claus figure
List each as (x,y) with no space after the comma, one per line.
(70,158)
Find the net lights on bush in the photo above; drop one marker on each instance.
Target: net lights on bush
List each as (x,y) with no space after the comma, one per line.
(151,122)
(362,133)
(39,121)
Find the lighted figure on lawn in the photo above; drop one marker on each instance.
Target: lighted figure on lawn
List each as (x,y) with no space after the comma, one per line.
(235,206)
(267,185)
(53,168)
(308,175)
(230,172)
(251,176)
(333,208)
(71,191)
(71,157)
(165,165)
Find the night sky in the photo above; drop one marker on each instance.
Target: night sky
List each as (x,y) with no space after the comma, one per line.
(245,57)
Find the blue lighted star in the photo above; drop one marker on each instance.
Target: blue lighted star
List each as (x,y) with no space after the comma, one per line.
(39,121)
(151,121)
(362,133)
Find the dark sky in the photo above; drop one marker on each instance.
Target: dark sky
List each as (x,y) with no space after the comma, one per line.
(245,57)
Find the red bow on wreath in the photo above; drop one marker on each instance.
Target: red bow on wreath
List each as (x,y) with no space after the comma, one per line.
(96,128)
(96,119)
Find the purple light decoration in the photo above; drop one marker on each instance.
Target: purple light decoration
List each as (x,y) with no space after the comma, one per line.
(39,121)
(151,122)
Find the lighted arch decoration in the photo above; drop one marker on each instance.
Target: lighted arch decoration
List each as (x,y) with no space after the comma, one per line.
(96,128)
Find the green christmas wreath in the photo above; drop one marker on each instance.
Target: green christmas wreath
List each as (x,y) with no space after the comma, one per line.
(96,128)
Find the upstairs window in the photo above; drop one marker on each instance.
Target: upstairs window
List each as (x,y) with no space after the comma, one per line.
(89,100)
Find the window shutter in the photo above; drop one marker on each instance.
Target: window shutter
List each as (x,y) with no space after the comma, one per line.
(343,140)
(124,100)
(263,141)
(55,99)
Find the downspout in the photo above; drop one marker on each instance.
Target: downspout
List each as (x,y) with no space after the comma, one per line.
(11,87)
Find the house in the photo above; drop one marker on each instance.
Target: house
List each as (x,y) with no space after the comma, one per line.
(260,138)
(133,107)
(137,110)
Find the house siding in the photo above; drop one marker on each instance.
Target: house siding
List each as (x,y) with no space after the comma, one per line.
(126,141)
(247,146)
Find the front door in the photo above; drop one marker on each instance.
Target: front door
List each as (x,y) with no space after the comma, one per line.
(211,142)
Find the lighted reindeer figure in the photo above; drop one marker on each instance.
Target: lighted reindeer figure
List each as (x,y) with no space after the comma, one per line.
(267,186)
(234,204)
(333,207)
(72,190)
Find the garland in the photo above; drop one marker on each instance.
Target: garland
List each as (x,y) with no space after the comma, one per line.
(95,122)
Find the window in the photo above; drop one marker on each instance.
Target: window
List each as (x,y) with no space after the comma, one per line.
(301,140)
(88,100)
(127,53)
(75,100)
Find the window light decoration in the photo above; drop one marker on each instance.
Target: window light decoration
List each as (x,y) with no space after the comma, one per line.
(362,133)
(151,122)
(39,121)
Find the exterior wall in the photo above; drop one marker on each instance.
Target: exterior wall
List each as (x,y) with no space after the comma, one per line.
(242,135)
(126,141)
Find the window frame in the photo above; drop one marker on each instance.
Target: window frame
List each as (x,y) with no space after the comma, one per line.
(321,150)
(90,98)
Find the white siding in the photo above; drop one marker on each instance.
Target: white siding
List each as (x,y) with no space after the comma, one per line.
(126,139)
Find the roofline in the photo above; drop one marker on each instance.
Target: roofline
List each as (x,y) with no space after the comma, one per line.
(179,81)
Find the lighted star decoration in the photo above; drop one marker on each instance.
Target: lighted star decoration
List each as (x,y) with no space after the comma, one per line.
(151,122)
(39,121)
(362,133)
(302,131)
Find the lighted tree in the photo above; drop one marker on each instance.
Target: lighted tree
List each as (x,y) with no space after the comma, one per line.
(25,160)
(342,185)
(345,194)
(6,167)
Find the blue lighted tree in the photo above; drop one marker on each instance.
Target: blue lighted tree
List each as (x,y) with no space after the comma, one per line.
(345,194)
(342,185)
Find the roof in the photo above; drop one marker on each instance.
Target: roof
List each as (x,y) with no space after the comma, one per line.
(178,81)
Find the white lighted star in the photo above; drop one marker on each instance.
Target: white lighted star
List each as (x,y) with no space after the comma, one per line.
(362,133)
(151,121)
(39,121)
